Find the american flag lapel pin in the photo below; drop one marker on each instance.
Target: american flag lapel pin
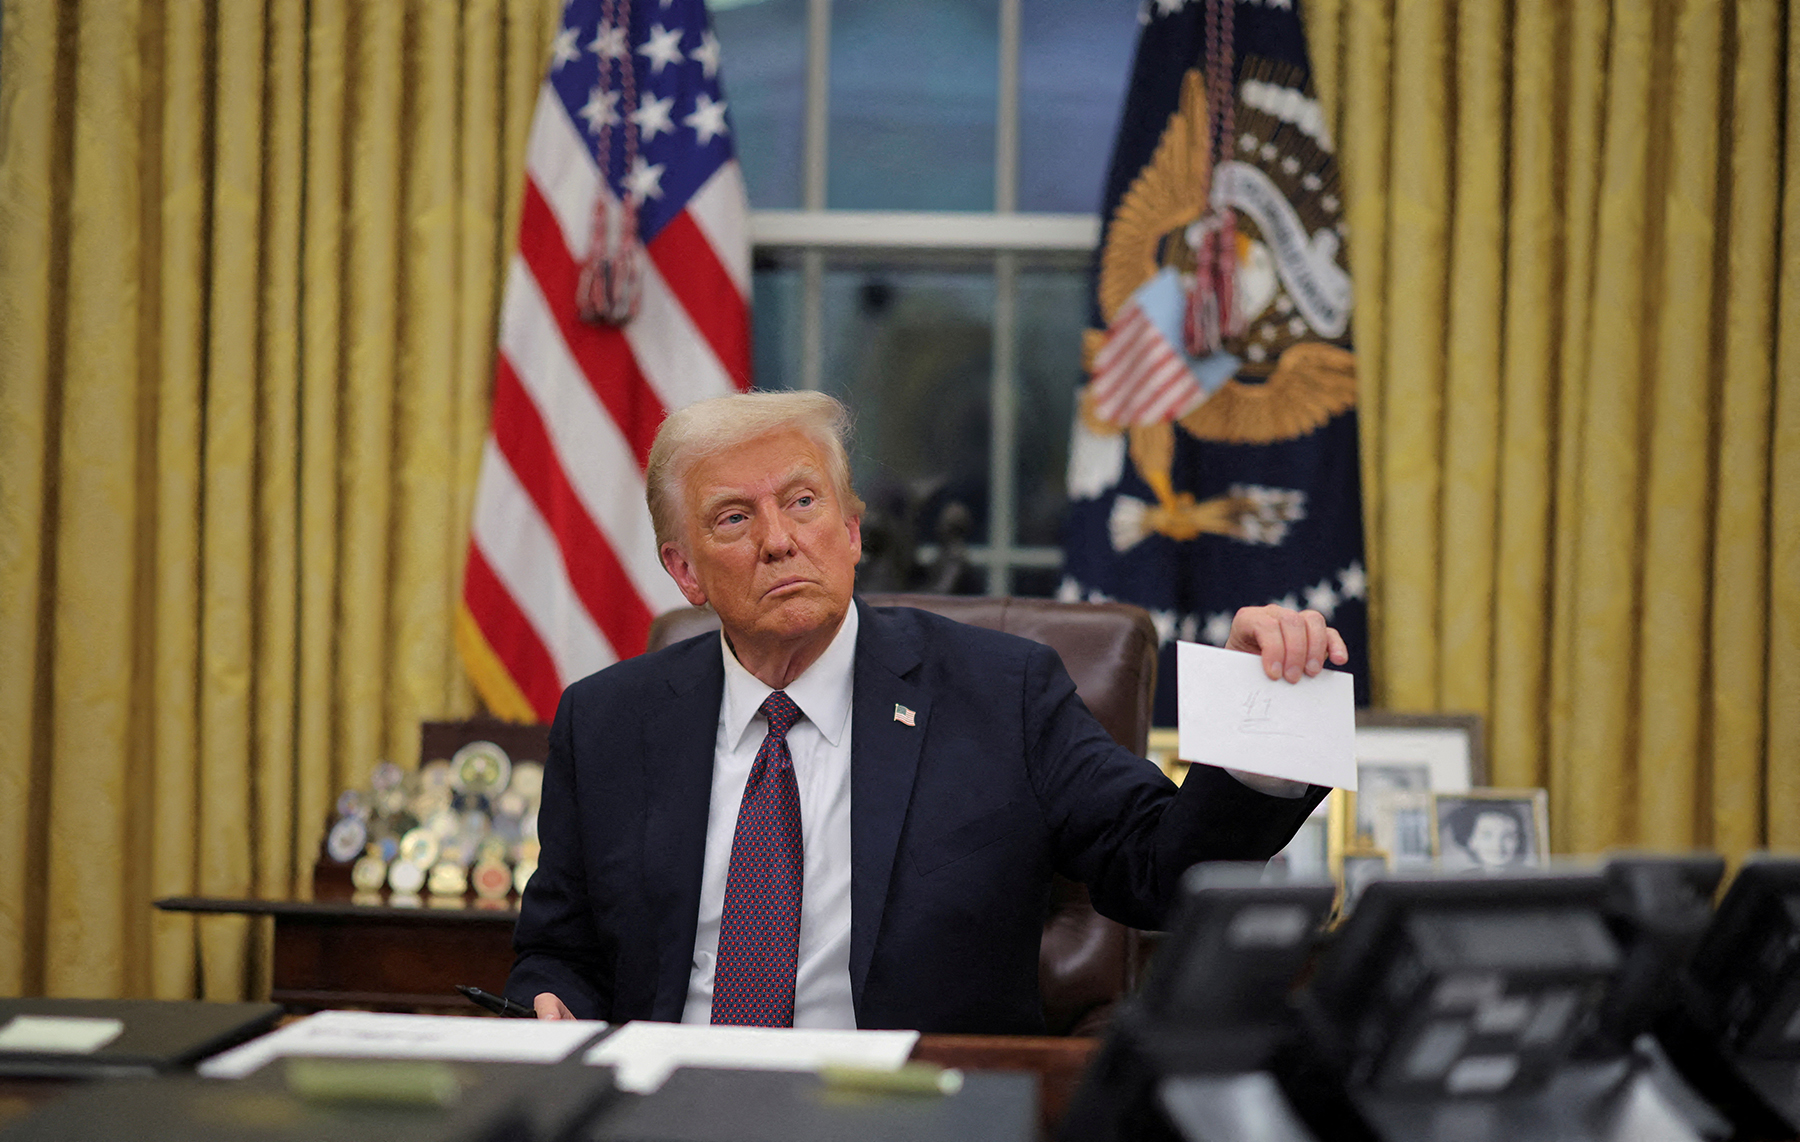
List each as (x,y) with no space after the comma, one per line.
(903,715)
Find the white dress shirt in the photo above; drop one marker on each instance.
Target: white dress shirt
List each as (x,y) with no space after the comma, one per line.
(820,745)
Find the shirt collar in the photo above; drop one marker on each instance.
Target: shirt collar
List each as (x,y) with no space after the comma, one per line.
(822,691)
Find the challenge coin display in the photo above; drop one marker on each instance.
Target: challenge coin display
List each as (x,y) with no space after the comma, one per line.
(447,879)
(528,780)
(405,877)
(475,812)
(346,839)
(390,802)
(420,847)
(369,873)
(445,822)
(481,769)
(434,776)
(492,879)
(512,804)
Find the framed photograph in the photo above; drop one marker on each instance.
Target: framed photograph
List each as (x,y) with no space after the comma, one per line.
(1381,785)
(1401,760)
(1492,830)
(1400,824)
(1396,749)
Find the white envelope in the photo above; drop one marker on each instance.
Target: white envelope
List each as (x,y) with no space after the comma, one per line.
(1232,715)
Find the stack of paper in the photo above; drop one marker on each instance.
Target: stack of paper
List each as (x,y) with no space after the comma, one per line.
(646,1053)
(374,1034)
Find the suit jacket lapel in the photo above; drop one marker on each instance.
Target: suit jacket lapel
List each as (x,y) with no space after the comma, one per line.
(884,756)
(677,754)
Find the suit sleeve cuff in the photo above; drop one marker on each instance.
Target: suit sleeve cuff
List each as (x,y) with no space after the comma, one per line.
(1273,786)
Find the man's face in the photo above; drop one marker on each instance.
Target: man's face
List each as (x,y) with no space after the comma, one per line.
(1494,840)
(765,541)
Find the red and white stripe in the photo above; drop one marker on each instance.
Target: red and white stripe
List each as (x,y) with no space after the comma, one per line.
(1139,377)
(563,576)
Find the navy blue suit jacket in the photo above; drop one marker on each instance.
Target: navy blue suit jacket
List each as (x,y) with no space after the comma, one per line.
(957,823)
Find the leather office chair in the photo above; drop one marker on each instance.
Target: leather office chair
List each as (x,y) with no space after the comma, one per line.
(1087,963)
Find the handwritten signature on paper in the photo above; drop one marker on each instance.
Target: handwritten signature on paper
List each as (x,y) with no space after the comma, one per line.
(1259,717)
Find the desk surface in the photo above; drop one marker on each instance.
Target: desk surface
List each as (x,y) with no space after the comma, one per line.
(1057,1062)
(340,953)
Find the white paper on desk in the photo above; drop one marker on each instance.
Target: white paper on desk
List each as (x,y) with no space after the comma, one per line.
(381,1035)
(647,1053)
(1232,715)
(59,1034)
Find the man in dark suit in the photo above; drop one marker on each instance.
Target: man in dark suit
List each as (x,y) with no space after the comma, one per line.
(831,814)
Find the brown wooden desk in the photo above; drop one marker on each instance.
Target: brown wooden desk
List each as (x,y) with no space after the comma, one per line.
(337,953)
(1058,1062)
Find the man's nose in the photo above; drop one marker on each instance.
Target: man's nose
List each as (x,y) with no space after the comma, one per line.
(777,537)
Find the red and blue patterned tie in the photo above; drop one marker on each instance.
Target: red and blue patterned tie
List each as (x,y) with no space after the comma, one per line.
(759,931)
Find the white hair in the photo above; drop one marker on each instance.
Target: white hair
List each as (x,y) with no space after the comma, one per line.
(710,427)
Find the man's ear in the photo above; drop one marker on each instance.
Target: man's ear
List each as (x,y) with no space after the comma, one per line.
(679,569)
(854,525)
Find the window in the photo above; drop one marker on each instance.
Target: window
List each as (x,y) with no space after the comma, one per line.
(923,179)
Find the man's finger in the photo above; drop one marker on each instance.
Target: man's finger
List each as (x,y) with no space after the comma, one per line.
(1274,652)
(1340,653)
(1294,653)
(548,1006)
(1316,642)
(1265,635)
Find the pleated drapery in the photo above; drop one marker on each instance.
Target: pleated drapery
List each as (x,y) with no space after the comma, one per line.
(1575,236)
(249,262)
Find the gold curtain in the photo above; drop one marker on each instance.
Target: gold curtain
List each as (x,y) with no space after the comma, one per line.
(1575,232)
(249,265)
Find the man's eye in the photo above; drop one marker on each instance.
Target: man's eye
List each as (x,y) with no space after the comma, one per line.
(804,502)
(734,518)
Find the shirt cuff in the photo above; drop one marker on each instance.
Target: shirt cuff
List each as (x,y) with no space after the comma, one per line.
(1273,786)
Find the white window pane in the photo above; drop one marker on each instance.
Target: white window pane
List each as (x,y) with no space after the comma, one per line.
(914,88)
(763,67)
(1074,62)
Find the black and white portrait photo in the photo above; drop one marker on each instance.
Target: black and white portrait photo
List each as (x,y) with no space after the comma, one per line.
(1491,830)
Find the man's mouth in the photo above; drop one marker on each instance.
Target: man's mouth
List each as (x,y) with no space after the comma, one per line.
(784,586)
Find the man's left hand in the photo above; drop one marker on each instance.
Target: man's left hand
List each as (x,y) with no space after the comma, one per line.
(1292,644)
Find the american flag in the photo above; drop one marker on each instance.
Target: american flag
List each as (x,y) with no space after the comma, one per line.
(562,577)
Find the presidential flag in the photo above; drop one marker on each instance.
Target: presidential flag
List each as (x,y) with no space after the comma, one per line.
(1213,463)
(627,299)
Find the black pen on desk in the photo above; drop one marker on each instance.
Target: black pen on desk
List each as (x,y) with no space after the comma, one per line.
(498,1004)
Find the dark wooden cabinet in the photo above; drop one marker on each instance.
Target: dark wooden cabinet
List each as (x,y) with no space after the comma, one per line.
(381,956)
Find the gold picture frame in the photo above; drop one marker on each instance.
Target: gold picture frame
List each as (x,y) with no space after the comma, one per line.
(1402,760)
(1162,747)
